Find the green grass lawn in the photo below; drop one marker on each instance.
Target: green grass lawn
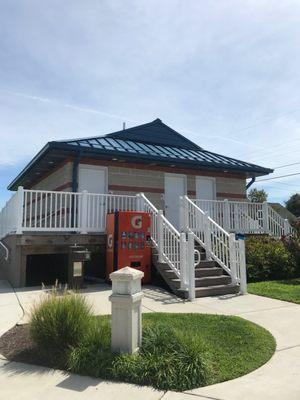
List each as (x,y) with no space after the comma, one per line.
(287,290)
(179,351)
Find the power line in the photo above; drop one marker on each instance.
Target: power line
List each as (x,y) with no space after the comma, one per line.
(287,165)
(278,177)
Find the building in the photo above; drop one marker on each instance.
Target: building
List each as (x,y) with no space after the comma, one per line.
(152,159)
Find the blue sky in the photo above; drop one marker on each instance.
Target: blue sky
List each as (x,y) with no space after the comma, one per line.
(224,73)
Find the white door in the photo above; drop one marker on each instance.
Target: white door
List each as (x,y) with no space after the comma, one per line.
(205,188)
(93,179)
(175,186)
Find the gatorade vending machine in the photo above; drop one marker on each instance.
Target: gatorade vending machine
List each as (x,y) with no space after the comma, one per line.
(129,242)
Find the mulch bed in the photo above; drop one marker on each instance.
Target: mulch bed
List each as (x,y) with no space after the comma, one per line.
(16,345)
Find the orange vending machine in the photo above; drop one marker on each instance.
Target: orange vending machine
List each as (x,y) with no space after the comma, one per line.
(129,242)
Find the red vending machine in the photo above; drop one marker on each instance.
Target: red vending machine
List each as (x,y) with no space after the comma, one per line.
(129,242)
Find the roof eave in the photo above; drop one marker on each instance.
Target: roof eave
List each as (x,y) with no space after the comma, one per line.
(254,172)
(259,171)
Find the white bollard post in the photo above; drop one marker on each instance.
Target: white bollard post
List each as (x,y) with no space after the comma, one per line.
(126,310)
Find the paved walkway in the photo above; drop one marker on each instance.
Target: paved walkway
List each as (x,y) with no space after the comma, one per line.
(279,379)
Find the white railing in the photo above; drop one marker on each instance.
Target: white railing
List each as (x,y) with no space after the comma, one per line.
(220,245)
(165,237)
(174,248)
(8,216)
(245,217)
(44,210)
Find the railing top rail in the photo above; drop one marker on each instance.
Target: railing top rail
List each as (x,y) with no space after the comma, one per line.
(229,201)
(172,227)
(166,221)
(149,203)
(79,193)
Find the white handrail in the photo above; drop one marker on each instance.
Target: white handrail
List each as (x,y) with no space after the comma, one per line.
(220,245)
(245,217)
(165,237)
(8,217)
(211,236)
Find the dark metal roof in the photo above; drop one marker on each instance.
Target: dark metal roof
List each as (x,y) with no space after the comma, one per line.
(148,143)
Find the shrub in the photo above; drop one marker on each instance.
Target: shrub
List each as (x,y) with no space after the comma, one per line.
(166,360)
(58,323)
(292,244)
(269,259)
(93,355)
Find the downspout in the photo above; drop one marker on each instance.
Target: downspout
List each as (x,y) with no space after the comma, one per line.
(251,182)
(75,171)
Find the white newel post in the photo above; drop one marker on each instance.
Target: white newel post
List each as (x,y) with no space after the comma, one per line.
(126,310)
(226,215)
(84,212)
(140,202)
(265,211)
(20,205)
(286,227)
(191,265)
(232,255)
(183,214)
(243,270)
(183,262)
(207,236)
(160,235)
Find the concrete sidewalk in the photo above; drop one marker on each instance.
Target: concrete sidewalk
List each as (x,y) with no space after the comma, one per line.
(278,379)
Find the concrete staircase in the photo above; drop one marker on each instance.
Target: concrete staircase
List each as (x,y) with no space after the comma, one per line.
(210,278)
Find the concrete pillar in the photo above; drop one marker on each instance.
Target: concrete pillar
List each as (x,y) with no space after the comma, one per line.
(126,310)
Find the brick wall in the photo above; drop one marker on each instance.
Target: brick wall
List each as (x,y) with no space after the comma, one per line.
(60,179)
(135,178)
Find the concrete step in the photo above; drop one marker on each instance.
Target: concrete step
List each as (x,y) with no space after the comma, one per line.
(207,264)
(211,271)
(219,290)
(206,282)
(210,281)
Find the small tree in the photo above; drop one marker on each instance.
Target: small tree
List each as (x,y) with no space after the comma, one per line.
(293,204)
(257,196)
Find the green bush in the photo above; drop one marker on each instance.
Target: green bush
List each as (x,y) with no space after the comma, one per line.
(292,244)
(58,323)
(93,355)
(166,360)
(269,259)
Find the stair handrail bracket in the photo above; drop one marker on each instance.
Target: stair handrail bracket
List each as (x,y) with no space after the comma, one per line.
(220,245)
